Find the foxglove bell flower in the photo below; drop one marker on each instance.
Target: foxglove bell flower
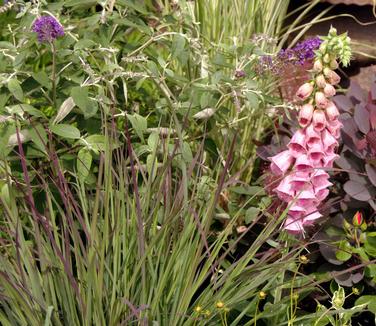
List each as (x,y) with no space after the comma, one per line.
(319,120)
(332,112)
(47,28)
(304,91)
(321,100)
(305,115)
(311,150)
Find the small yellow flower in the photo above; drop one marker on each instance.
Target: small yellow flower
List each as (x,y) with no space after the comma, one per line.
(207,313)
(198,309)
(303,259)
(219,304)
(262,295)
(355,291)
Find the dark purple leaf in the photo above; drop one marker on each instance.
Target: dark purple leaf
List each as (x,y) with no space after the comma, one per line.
(362,119)
(371,138)
(348,161)
(329,253)
(354,176)
(371,173)
(356,92)
(357,190)
(344,279)
(350,127)
(343,103)
(361,144)
(373,92)
(372,114)
(264,152)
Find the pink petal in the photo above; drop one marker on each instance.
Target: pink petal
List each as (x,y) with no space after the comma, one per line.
(322,194)
(292,225)
(316,153)
(305,115)
(306,198)
(285,190)
(312,136)
(320,179)
(329,160)
(281,162)
(334,128)
(319,120)
(329,142)
(302,163)
(297,143)
(299,182)
(311,217)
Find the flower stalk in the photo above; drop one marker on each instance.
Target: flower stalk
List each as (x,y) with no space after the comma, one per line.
(311,151)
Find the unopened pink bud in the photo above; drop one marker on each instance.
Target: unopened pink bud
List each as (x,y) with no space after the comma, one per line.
(317,66)
(304,91)
(319,120)
(320,81)
(305,115)
(333,64)
(329,90)
(332,77)
(332,112)
(321,100)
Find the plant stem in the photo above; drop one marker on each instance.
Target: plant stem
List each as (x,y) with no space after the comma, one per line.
(53,48)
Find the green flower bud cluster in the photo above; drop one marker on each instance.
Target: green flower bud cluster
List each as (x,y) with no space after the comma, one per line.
(335,47)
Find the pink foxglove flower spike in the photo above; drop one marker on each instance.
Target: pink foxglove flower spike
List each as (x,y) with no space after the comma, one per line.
(311,151)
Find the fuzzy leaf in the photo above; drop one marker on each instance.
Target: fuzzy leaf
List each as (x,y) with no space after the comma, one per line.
(65,108)
(343,103)
(65,131)
(84,160)
(357,190)
(16,90)
(362,118)
(371,173)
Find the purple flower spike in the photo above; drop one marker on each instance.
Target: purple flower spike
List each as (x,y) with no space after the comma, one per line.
(48,29)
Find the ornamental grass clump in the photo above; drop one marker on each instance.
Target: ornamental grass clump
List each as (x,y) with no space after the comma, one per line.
(311,152)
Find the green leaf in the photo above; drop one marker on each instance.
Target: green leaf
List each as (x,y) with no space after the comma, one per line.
(178,44)
(253,99)
(187,153)
(370,300)
(21,108)
(344,252)
(84,161)
(65,108)
(96,142)
(38,136)
(42,78)
(81,98)
(139,124)
(16,90)
(65,131)
(251,214)
(370,244)
(249,190)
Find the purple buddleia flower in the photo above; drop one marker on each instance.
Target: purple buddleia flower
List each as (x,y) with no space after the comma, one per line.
(297,56)
(47,28)
(306,50)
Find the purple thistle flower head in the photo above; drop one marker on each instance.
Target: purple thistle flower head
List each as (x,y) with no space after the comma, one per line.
(47,28)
